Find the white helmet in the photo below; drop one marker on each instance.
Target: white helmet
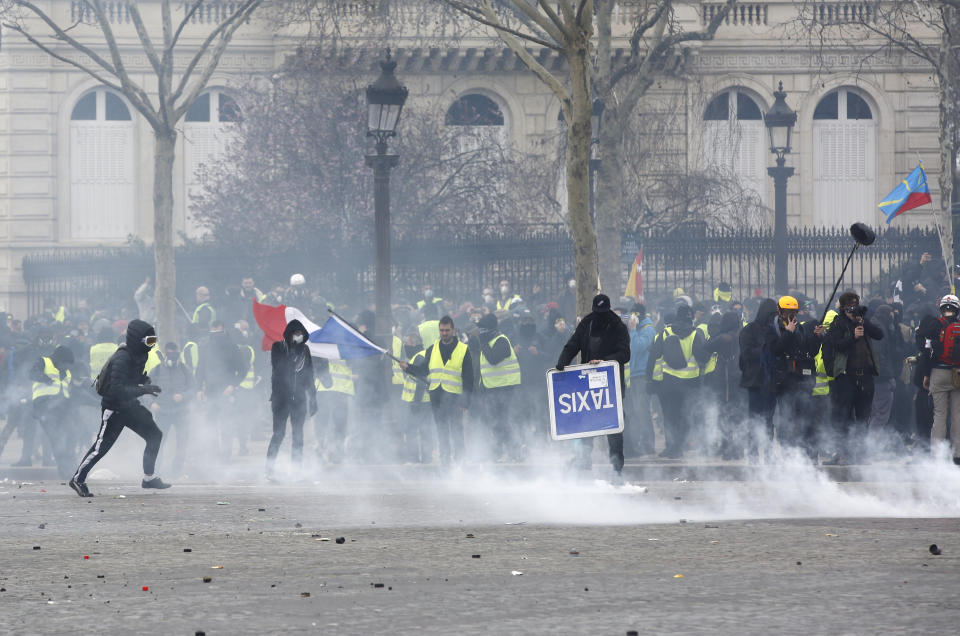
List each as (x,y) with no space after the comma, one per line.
(950,301)
(297,279)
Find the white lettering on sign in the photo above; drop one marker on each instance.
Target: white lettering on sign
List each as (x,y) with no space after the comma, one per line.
(581,401)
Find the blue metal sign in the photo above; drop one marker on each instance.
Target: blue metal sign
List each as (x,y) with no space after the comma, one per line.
(585,400)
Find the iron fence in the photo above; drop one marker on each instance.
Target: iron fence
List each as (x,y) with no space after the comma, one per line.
(458,264)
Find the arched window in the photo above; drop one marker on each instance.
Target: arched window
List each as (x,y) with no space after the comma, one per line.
(480,121)
(208,129)
(102,167)
(474,109)
(844,159)
(733,139)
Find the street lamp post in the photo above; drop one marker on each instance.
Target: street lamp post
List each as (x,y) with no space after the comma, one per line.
(596,118)
(385,99)
(779,121)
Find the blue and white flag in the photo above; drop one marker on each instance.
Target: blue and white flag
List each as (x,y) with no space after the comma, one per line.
(336,340)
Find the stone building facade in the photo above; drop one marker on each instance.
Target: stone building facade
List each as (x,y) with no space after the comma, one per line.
(76,158)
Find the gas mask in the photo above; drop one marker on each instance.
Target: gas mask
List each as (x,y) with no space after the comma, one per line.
(428,294)
(504,289)
(297,338)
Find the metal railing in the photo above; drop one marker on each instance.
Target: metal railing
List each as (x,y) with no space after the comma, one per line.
(460,262)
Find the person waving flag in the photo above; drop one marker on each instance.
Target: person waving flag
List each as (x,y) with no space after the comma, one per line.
(911,193)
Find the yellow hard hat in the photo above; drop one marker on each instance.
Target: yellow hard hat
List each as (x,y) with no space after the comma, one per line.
(788,302)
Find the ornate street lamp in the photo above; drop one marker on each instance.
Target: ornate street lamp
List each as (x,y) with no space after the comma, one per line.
(385,99)
(779,121)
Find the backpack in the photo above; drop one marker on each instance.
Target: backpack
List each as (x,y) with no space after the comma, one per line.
(673,353)
(948,349)
(102,382)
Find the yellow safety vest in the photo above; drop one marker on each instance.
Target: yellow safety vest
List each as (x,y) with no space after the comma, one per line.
(507,305)
(196,313)
(657,375)
(58,386)
(153,360)
(410,385)
(429,332)
(342,378)
(507,373)
(397,377)
(692,370)
(422,303)
(249,380)
(99,354)
(711,364)
(626,374)
(61,314)
(190,356)
(447,376)
(821,385)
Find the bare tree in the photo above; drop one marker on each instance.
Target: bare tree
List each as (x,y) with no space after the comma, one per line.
(296,169)
(181,72)
(656,42)
(564,28)
(929,31)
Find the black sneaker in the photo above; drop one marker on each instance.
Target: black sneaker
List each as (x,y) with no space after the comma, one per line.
(80,488)
(956,461)
(156,482)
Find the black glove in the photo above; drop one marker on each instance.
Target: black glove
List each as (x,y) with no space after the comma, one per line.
(559,367)
(149,389)
(326,380)
(313,408)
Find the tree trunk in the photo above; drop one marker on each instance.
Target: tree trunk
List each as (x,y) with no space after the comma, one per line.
(608,200)
(578,180)
(948,93)
(166,269)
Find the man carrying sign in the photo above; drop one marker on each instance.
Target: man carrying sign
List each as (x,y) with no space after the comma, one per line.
(600,336)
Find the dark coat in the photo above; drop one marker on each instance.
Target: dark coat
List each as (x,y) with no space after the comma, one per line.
(841,339)
(599,336)
(292,378)
(756,359)
(725,342)
(125,381)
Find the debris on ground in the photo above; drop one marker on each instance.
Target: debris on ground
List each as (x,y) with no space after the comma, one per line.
(340,540)
(516,573)
(935,549)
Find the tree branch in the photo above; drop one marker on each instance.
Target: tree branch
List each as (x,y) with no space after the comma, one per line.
(476,15)
(535,67)
(145,38)
(225,31)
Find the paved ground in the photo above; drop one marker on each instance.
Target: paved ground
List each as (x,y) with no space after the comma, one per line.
(740,574)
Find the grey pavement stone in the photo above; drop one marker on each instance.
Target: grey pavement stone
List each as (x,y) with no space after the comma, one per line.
(854,576)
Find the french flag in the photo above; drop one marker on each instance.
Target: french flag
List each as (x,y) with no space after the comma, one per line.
(336,340)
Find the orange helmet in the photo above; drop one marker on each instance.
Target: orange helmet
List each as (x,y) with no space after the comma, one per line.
(788,302)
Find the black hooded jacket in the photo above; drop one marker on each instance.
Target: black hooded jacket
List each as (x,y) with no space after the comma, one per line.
(756,357)
(125,377)
(292,378)
(601,335)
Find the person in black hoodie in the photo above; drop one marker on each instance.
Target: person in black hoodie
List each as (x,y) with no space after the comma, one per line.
(293,391)
(724,383)
(600,336)
(756,371)
(120,388)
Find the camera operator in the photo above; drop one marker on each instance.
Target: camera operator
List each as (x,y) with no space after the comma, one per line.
(794,348)
(848,353)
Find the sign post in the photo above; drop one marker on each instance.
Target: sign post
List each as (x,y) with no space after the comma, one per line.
(585,400)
